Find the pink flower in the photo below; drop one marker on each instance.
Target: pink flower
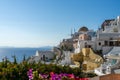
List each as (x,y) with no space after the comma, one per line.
(51,73)
(77,78)
(30,77)
(84,79)
(71,76)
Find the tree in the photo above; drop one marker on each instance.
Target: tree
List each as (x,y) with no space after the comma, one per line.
(15,60)
(79,58)
(44,59)
(5,61)
(24,58)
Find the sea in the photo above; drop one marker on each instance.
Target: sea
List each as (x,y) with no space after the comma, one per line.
(19,53)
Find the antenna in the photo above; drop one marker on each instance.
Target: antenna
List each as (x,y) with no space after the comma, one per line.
(71,32)
(74,30)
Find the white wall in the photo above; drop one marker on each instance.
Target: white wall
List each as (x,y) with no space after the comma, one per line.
(99,47)
(81,44)
(106,49)
(48,54)
(107,36)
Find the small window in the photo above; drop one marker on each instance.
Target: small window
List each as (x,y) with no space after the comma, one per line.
(111,38)
(99,43)
(80,37)
(106,43)
(111,43)
(89,46)
(46,57)
(85,46)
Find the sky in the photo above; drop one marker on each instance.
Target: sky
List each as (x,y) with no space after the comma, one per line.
(36,23)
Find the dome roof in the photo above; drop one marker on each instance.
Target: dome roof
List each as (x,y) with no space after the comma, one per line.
(83,29)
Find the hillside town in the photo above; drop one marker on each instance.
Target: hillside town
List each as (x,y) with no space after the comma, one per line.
(99,49)
(59,39)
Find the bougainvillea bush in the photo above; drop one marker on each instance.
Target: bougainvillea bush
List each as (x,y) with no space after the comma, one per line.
(34,75)
(38,71)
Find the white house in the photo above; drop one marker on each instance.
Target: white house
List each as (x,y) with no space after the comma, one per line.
(45,55)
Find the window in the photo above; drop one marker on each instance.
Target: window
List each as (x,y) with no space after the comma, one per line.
(81,38)
(85,44)
(99,43)
(116,43)
(111,43)
(89,46)
(46,57)
(106,43)
(43,57)
(111,38)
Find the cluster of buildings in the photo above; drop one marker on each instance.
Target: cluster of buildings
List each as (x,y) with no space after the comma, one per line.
(105,43)
(101,40)
(100,48)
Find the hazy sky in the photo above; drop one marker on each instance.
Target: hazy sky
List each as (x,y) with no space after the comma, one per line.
(34,23)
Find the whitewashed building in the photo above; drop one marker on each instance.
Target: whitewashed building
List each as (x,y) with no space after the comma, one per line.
(83,39)
(45,55)
(103,40)
(108,35)
(106,40)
